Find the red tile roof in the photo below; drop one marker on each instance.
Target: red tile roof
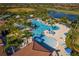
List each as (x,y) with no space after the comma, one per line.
(28,51)
(1,50)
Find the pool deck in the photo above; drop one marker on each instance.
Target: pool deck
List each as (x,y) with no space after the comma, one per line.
(58,36)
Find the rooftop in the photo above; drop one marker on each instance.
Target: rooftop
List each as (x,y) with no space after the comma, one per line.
(28,51)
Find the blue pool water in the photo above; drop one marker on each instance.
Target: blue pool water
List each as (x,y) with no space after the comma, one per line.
(48,43)
(41,27)
(56,14)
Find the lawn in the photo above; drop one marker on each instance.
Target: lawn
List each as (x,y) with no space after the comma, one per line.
(15,10)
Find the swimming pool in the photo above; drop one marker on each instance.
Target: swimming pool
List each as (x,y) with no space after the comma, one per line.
(48,43)
(39,37)
(41,27)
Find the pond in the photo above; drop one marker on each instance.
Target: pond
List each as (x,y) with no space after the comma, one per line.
(56,14)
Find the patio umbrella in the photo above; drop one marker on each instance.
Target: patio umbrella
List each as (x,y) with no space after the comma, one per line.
(68,50)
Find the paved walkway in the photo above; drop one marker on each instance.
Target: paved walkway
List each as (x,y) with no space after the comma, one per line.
(60,38)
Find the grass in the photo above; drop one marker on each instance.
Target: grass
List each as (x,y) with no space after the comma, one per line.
(15,10)
(77,41)
(0,41)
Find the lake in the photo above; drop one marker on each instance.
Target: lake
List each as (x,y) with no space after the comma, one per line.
(56,14)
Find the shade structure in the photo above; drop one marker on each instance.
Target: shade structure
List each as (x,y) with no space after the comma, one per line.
(68,50)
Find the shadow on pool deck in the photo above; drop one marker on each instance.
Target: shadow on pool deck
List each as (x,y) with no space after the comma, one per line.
(29,51)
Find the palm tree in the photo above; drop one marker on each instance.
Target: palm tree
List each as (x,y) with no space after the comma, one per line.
(72,41)
(27,35)
(64,20)
(69,39)
(76,34)
(14,40)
